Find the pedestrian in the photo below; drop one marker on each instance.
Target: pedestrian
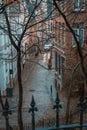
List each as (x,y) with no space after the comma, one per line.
(51,89)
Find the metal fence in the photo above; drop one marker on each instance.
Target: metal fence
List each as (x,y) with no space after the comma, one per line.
(34,122)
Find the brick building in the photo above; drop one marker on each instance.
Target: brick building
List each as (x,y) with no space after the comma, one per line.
(66,54)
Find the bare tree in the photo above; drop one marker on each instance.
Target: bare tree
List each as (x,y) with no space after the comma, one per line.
(16,41)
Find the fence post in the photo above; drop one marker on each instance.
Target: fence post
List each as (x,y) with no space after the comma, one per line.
(57,106)
(81,104)
(32,110)
(5,113)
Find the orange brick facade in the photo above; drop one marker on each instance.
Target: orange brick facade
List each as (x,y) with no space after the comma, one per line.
(63,41)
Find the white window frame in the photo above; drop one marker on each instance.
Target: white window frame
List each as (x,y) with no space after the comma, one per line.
(77,30)
(80,5)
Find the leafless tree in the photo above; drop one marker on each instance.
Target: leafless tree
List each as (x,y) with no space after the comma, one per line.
(29,21)
(35,16)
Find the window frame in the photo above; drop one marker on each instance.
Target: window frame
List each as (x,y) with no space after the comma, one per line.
(80,5)
(59,65)
(78,30)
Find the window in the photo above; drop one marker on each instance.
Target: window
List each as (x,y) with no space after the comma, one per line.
(60,61)
(6,41)
(79,31)
(7,80)
(6,66)
(1,38)
(2,43)
(79,5)
(61,33)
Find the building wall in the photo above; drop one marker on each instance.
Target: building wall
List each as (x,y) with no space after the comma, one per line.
(63,38)
(8,68)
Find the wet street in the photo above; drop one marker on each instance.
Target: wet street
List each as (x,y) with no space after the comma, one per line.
(37,83)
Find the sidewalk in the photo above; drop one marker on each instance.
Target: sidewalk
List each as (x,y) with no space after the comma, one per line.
(27,67)
(13,101)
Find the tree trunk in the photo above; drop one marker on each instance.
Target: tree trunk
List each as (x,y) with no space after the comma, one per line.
(20,122)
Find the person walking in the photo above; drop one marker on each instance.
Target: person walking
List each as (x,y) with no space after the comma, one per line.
(51,89)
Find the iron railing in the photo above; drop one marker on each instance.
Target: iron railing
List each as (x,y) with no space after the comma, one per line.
(56,126)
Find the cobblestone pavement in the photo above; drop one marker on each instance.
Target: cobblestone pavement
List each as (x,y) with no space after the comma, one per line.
(37,81)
